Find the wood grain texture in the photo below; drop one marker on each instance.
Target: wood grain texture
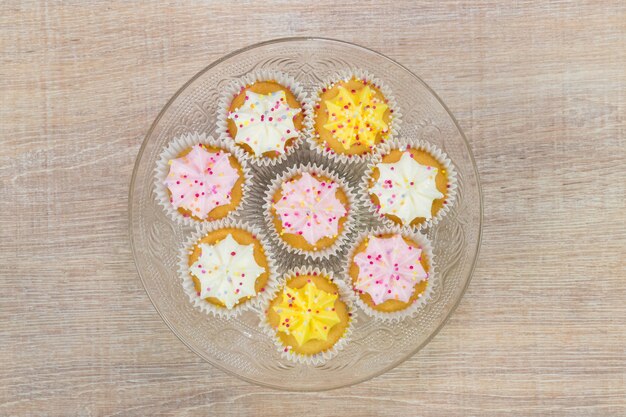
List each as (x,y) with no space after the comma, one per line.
(538,87)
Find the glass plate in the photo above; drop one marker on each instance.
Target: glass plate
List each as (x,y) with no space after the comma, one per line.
(238,346)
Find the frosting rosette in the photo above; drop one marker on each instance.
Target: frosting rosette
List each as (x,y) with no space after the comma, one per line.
(353,114)
(406,188)
(389,269)
(307,313)
(356,116)
(310,208)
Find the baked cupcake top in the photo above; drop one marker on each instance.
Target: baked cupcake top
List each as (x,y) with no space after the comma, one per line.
(201,180)
(226,270)
(406,189)
(307,313)
(265,122)
(310,208)
(389,269)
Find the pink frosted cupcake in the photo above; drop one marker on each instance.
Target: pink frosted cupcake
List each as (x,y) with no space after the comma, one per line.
(391,272)
(310,209)
(200,179)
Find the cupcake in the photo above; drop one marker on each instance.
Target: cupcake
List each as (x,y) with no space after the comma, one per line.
(310,316)
(352,116)
(411,185)
(391,272)
(225,267)
(264,116)
(309,209)
(200,179)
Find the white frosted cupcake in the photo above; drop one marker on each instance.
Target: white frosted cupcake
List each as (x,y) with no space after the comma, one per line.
(264,114)
(226,268)
(410,185)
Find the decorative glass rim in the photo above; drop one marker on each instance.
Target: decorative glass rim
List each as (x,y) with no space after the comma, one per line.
(447,315)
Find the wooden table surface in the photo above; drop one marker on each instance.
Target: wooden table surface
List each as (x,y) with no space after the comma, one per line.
(538,87)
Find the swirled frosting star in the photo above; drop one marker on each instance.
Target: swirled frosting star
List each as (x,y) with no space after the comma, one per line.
(310,208)
(226,271)
(389,269)
(307,313)
(201,180)
(406,189)
(356,116)
(264,122)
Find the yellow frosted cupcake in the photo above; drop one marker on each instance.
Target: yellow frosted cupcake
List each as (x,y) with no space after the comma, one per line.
(352,117)
(310,316)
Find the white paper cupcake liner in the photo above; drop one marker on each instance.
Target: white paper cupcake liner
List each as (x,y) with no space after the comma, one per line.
(235,89)
(346,295)
(438,154)
(314,101)
(426,296)
(189,287)
(347,225)
(172,151)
